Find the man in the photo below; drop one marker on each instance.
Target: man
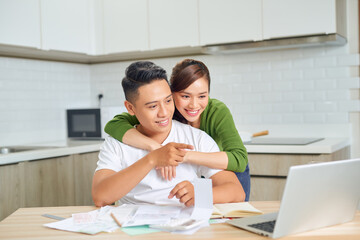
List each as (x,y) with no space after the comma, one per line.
(128,174)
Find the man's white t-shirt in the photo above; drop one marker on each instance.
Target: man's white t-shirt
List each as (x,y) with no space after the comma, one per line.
(153,189)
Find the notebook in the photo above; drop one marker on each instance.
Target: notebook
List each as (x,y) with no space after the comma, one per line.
(242,209)
(315,196)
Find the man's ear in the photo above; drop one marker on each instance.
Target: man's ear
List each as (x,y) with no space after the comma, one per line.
(130,107)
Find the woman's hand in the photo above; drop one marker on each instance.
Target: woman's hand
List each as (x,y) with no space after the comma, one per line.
(184,191)
(169,172)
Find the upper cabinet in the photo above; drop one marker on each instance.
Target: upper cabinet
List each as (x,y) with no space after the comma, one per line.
(173,23)
(299,18)
(125,26)
(111,30)
(65,25)
(230,21)
(20,23)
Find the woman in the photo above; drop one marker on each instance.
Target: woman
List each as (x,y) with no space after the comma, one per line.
(190,84)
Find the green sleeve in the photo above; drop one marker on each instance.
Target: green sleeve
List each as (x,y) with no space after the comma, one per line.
(120,124)
(221,127)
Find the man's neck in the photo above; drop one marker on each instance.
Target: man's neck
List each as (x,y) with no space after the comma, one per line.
(156,136)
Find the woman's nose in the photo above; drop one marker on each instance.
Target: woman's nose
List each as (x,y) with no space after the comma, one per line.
(193,103)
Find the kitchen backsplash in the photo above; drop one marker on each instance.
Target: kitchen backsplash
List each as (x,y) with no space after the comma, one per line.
(33,98)
(307,87)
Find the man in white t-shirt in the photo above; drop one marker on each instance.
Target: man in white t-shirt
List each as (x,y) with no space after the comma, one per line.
(128,175)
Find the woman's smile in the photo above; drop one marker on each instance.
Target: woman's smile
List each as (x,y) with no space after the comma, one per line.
(192,113)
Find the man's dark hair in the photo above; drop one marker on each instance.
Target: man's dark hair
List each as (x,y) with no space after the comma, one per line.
(138,74)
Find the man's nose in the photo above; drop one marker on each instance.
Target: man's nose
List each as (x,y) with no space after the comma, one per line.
(162,111)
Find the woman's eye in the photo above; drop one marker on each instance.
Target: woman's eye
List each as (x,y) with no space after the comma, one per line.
(202,96)
(185,96)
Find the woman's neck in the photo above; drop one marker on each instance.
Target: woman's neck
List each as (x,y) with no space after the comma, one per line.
(195,124)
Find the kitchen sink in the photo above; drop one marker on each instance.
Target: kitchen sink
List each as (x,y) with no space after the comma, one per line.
(16,149)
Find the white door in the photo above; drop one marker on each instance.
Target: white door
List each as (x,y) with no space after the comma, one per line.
(66,25)
(173,23)
(20,22)
(125,26)
(229,21)
(289,18)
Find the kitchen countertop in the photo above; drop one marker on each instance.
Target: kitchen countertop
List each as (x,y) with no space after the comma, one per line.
(50,150)
(326,146)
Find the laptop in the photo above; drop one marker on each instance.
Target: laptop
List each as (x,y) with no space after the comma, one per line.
(315,195)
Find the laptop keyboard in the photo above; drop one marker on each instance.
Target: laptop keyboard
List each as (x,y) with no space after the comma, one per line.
(265,226)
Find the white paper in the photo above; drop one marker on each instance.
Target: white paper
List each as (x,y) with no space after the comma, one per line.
(203,199)
(102,223)
(152,214)
(134,215)
(203,206)
(124,213)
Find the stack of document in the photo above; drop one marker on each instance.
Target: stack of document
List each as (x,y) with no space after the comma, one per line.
(179,219)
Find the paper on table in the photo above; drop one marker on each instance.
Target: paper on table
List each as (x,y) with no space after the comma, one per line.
(152,214)
(102,223)
(123,213)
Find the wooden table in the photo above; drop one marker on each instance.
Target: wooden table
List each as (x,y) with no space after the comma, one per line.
(27,223)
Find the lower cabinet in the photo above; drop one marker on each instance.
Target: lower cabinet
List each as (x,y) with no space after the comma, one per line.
(84,169)
(269,171)
(47,182)
(61,181)
(10,192)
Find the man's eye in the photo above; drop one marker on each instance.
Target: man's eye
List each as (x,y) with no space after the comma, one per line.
(202,96)
(169,100)
(152,106)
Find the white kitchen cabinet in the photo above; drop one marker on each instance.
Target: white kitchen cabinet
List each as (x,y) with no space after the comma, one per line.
(65,25)
(173,23)
(289,18)
(125,26)
(20,23)
(230,21)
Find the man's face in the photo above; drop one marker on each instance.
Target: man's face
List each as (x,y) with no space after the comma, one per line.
(154,108)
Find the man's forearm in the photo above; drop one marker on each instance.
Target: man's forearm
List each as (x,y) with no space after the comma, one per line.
(228,192)
(111,188)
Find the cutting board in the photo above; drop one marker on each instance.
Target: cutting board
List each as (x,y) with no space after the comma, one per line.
(282,141)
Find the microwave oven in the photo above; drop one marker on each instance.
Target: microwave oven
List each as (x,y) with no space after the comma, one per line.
(89,123)
(84,123)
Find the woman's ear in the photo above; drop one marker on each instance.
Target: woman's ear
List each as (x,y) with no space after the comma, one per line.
(129,107)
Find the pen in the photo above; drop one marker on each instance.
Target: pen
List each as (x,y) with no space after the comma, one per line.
(53,217)
(119,223)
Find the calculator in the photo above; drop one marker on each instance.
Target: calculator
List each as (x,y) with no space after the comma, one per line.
(179,224)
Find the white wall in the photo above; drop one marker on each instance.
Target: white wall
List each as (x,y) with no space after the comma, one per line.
(304,92)
(308,87)
(34,96)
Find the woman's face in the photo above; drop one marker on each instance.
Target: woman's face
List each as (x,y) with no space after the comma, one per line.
(192,101)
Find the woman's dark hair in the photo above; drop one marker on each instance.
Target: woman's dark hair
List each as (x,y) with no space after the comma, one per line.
(183,75)
(138,74)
